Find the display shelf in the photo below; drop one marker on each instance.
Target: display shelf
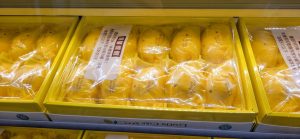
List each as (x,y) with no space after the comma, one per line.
(153,130)
(156,3)
(179,8)
(152,12)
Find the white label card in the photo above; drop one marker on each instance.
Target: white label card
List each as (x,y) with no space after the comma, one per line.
(107,55)
(288,41)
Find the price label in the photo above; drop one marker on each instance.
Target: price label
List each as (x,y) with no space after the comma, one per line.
(107,55)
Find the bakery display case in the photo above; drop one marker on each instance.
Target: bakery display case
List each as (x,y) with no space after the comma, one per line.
(201,69)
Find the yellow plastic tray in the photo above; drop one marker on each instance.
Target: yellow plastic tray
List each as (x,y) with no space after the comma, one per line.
(68,108)
(73,134)
(103,135)
(265,114)
(35,105)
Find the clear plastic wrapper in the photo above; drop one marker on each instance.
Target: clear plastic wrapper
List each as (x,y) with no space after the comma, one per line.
(279,79)
(37,133)
(190,66)
(27,52)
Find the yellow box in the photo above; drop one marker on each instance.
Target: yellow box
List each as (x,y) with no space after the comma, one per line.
(67,108)
(35,105)
(29,133)
(125,135)
(265,115)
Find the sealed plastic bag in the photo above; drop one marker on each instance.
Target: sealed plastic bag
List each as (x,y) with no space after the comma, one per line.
(217,45)
(186,85)
(279,77)
(148,87)
(265,49)
(117,91)
(153,45)
(79,88)
(26,55)
(186,44)
(185,66)
(222,87)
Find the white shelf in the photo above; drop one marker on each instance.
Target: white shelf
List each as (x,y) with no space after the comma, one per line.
(153,130)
